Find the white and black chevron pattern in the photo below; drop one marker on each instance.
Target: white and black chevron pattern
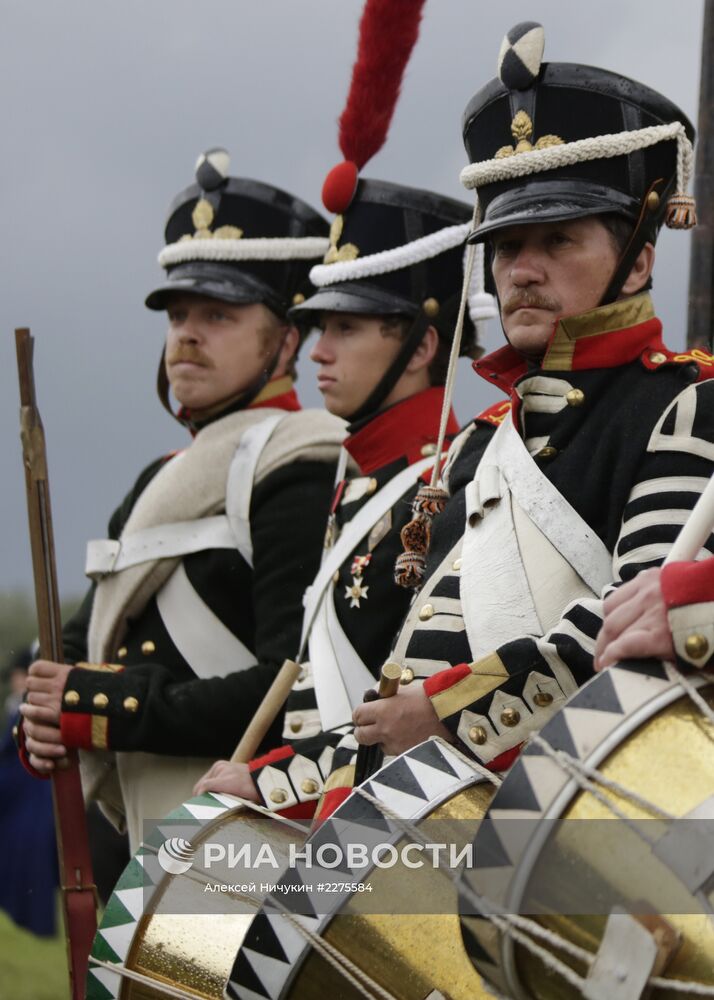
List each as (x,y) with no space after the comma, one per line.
(593,723)
(411,785)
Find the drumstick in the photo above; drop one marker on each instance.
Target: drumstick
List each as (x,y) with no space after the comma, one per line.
(264,717)
(369,758)
(696,529)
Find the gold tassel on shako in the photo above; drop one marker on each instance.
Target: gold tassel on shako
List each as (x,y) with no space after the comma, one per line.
(410,566)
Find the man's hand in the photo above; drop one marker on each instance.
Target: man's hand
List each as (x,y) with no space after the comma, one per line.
(45,687)
(233,779)
(41,714)
(398,723)
(635,623)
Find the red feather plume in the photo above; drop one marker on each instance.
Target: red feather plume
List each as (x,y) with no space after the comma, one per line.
(387,34)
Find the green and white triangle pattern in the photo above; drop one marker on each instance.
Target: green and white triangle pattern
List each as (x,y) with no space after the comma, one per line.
(131,893)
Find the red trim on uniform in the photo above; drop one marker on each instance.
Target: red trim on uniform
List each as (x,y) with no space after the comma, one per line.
(619,347)
(24,755)
(495,414)
(279,753)
(330,801)
(285,401)
(76,730)
(401,430)
(605,350)
(505,759)
(687,583)
(302,810)
(445,679)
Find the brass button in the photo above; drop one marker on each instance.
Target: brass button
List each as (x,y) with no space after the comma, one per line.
(131,704)
(543,698)
(100,700)
(510,717)
(576,397)
(71,698)
(407,676)
(309,786)
(657,358)
(295,725)
(653,201)
(696,645)
(548,452)
(426,612)
(478,735)
(456,564)
(15,733)
(431,307)
(372,486)
(298,299)
(278,795)
(121,653)
(148,647)
(336,576)
(428,449)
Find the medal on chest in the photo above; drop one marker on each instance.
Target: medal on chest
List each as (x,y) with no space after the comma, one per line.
(357,591)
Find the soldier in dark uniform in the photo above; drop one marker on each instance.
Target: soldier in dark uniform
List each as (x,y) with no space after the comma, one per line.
(382,353)
(196,605)
(610,438)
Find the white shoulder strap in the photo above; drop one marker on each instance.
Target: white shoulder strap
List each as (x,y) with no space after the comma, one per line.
(241,475)
(360,525)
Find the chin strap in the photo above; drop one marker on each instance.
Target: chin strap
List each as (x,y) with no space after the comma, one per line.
(392,375)
(640,234)
(241,402)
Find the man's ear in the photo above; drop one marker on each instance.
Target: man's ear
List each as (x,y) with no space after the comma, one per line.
(425,352)
(291,342)
(641,271)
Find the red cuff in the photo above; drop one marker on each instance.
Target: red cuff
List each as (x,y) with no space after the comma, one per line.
(76,730)
(445,679)
(505,759)
(280,753)
(687,583)
(330,801)
(301,810)
(25,756)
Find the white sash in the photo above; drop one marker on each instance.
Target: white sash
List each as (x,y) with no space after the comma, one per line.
(209,648)
(526,553)
(339,674)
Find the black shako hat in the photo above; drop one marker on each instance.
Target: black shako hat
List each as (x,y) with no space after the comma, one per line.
(554,141)
(394,250)
(239,240)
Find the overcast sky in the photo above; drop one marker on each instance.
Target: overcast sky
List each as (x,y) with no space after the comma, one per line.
(105,106)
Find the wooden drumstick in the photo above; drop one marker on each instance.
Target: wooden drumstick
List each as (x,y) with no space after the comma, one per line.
(369,758)
(266,714)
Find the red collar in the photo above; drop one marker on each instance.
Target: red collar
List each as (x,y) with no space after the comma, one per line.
(279,394)
(606,337)
(402,430)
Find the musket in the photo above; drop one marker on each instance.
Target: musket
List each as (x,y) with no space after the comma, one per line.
(77,883)
(701,273)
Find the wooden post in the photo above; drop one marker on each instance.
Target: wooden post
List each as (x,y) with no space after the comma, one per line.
(701,275)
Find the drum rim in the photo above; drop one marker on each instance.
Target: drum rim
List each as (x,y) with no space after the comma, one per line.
(435,745)
(123,936)
(666,690)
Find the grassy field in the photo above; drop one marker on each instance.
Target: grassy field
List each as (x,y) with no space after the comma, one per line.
(31,968)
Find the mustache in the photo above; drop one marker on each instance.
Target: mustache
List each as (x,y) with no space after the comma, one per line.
(190,354)
(522,298)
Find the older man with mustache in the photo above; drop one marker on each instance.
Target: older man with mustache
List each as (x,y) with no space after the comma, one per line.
(197,593)
(610,435)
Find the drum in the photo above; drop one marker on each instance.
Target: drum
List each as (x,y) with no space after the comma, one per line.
(319,924)
(601,842)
